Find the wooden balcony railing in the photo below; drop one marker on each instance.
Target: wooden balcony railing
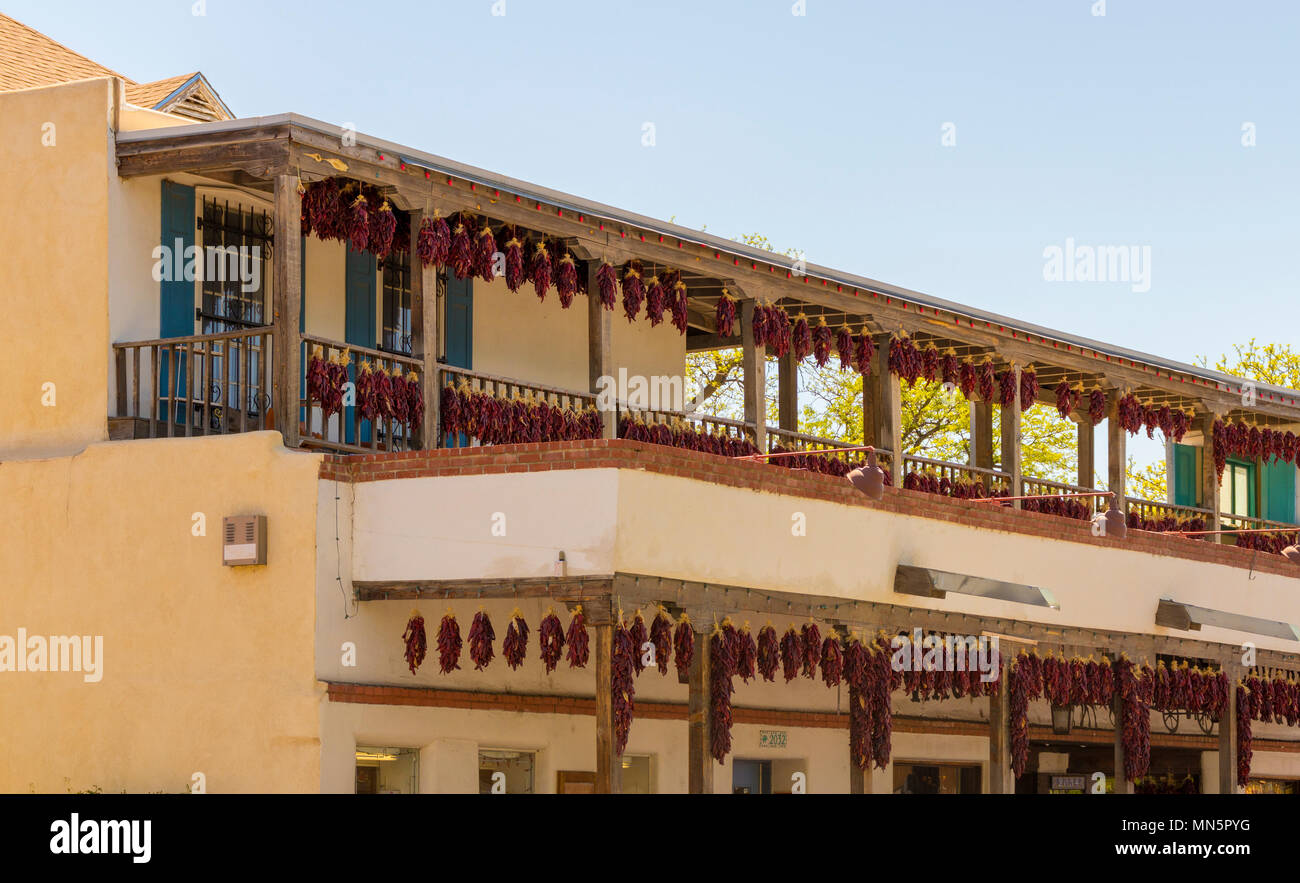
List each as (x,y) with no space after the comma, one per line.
(699,423)
(1250,522)
(783,440)
(204,384)
(1164,517)
(1055,502)
(956,474)
(348,431)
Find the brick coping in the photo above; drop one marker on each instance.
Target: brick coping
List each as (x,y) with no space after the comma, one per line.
(664,460)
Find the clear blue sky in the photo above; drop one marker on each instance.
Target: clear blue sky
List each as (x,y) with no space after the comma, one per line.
(823,131)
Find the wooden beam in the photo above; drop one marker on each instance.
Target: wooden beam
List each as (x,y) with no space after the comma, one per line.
(565,588)
(600,347)
(1208,497)
(698,343)
(608,767)
(286,293)
(425,317)
(699,758)
(263,158)
(882,409)
(754,365)
(1009,421)
(1087,475)
(788,392)
(1116,451)
(1001,780)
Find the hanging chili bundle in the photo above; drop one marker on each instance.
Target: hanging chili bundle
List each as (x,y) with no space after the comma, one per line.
(761,326)
(481,637)
(550,640)
(881,684)
(822,342)
(844,346)
(566,281)
(679,304)
(318,377)
(367,396)
(778,330)
(950,370)
(724,314)
(683,647)
(1066,399)
(746,653)
(337,374)
(400,409)
(904,359)
(1028,388)
(1007,390)
(968,378)
(514,646)
(576,638)
(607,283)
(1135,720)
(539,270)
(1018,712)
(639,638)
(930,362)
(633,290)
(856,665)
(622,663)
(864,351)
(416,642)
(768,653)
(722,668)
(987,380)
(810,638)
(485,252)
(359,224)
(832,660)
(449,643)
(383,224)
(460,256)
(425,244)
(414,391)
(661,636)
(801,339)
(1245,742)
(792,654)
(324,210)
(655,302)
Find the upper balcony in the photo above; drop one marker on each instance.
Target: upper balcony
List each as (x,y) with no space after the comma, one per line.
(395,306)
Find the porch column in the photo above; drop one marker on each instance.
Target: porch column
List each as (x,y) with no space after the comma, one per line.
(1087,455)
(882,409)
(699,759)
(600,353)
(1001,781)
(286,298)
(608,767)
(1228,734)
(1116,452)
(424,335)
(788,392)
(754,365)
(1209,477)
(1010,422)
(1122,784)
(981,437)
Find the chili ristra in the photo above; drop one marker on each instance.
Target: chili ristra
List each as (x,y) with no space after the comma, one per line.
(661,636)
(579,650)
(768,653)
(515,644)
(683,646)
(416,642)
(550,640)
(449,643)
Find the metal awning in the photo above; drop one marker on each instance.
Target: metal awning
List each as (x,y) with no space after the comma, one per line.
(1188,617)
(929,583)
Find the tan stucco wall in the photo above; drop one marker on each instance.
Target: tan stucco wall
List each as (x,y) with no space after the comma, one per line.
(55,234)
(206,668)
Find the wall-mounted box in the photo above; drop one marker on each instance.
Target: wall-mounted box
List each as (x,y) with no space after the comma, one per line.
(243,540)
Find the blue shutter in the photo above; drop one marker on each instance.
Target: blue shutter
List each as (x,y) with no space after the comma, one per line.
(358,322)
(1183,481)
(175,296)
(1279,491)
(459,333)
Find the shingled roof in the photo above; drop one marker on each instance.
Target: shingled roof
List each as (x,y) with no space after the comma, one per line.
(29,59)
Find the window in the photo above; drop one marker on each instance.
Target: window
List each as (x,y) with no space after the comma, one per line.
(388,770)
(751,776)
(236,246)
(936,778)
(505,772)
(396,335)
(636,774)
(1237,490)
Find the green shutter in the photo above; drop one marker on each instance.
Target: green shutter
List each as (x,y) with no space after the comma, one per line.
(1279,491)
(1183,481)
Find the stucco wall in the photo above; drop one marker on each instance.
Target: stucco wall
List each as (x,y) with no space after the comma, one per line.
(55,234)
(206,668)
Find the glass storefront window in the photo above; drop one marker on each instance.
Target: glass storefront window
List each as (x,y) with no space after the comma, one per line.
(388,770)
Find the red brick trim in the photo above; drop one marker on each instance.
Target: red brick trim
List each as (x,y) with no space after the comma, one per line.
(428,697)
(623,454)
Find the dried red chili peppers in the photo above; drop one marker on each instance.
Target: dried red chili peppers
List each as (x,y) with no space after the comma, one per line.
(633,290)
(768,653)
(792,654)
(607,283)
(683,646)
(639,639)
(661,636)
(746,653)
(832,660)
(844,347)
(722,668)
(449,643)
(415,640)
(579,650)
(822,342)
(481,637)
(514,647)
(623,659)
(810,638)
(724,314)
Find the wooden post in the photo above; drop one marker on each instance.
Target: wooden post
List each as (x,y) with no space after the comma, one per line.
(425,310)
(286,295)
(600,358)
(1116,452)
(1010,421)
(699,758)
(609,769)
(1087,455)
(1122,785)
(1209,477)
(1228,733)
(754,364)
(788,392)
(882,409)
(1001,781)
(981,437)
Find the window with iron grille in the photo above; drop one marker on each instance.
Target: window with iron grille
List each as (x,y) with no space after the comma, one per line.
(236,253)
(396,336)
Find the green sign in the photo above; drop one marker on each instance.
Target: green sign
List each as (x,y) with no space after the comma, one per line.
(771,738)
